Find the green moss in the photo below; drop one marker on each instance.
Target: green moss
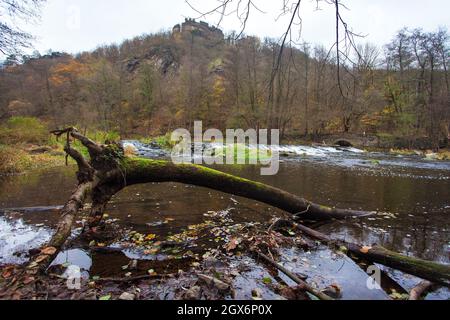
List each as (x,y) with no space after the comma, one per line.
(249,155)
(164,142)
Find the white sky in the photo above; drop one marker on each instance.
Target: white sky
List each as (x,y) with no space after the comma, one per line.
(79,25)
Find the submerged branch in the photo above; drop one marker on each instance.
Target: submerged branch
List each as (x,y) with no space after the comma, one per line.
(428,270)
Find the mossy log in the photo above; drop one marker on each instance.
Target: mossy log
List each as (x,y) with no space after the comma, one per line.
(139,171)
(108,171)
(428,270)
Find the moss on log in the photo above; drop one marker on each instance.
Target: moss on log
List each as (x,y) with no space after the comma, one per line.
(139,170)
(428,270)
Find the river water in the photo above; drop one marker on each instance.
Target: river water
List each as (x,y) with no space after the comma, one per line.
(410,194)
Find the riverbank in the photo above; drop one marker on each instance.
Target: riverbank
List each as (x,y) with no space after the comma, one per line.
(17,159)
(153,216)
(377,142)
(21,152)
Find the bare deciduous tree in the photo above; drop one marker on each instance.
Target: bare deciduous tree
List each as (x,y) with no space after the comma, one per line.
(12,13)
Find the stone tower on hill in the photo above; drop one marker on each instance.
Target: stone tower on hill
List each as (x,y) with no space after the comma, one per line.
(201,29)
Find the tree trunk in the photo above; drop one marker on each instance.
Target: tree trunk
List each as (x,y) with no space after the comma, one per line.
(109,171)
(428,270)
(145,171)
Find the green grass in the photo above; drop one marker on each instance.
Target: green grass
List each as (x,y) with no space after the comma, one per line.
(19,130)
(13,160)
(18,135)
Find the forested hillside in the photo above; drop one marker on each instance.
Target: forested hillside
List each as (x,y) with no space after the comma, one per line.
(155,83)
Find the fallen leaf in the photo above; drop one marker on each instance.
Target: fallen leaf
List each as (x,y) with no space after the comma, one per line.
(108,297)
(41,258)
(256,294)
(28,280)
(150,237)
(17,296)
(49,251)
(233,244)
(365,249)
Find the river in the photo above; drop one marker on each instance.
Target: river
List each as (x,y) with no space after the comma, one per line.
(410,194)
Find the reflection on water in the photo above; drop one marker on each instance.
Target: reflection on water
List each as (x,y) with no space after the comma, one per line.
(16,238)
(411,195)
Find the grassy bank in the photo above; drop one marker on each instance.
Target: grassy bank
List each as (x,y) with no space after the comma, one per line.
(26,144)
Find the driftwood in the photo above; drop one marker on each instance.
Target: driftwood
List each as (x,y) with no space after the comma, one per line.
(421,290)
(315,292)
(428,270)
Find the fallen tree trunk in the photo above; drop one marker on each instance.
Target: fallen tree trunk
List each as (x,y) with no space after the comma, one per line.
(145,170)
(428,270)
(108,171)
(421,290)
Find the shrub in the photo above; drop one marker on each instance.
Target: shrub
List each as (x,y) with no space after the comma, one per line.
(13,160)
(24,130)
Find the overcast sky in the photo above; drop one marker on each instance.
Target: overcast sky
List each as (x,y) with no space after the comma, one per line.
(79,25)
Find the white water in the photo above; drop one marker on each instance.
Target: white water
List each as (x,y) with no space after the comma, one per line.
(16,238)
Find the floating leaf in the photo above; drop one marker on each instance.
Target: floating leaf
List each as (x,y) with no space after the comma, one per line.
(150,237)
(343,249)
(256,294)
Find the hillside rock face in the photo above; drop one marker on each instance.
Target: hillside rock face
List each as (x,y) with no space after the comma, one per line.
(166,57)
(163,58)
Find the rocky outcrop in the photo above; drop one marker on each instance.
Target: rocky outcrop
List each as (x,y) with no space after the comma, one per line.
(164,58)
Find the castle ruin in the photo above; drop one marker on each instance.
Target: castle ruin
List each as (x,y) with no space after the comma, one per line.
(201,28)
